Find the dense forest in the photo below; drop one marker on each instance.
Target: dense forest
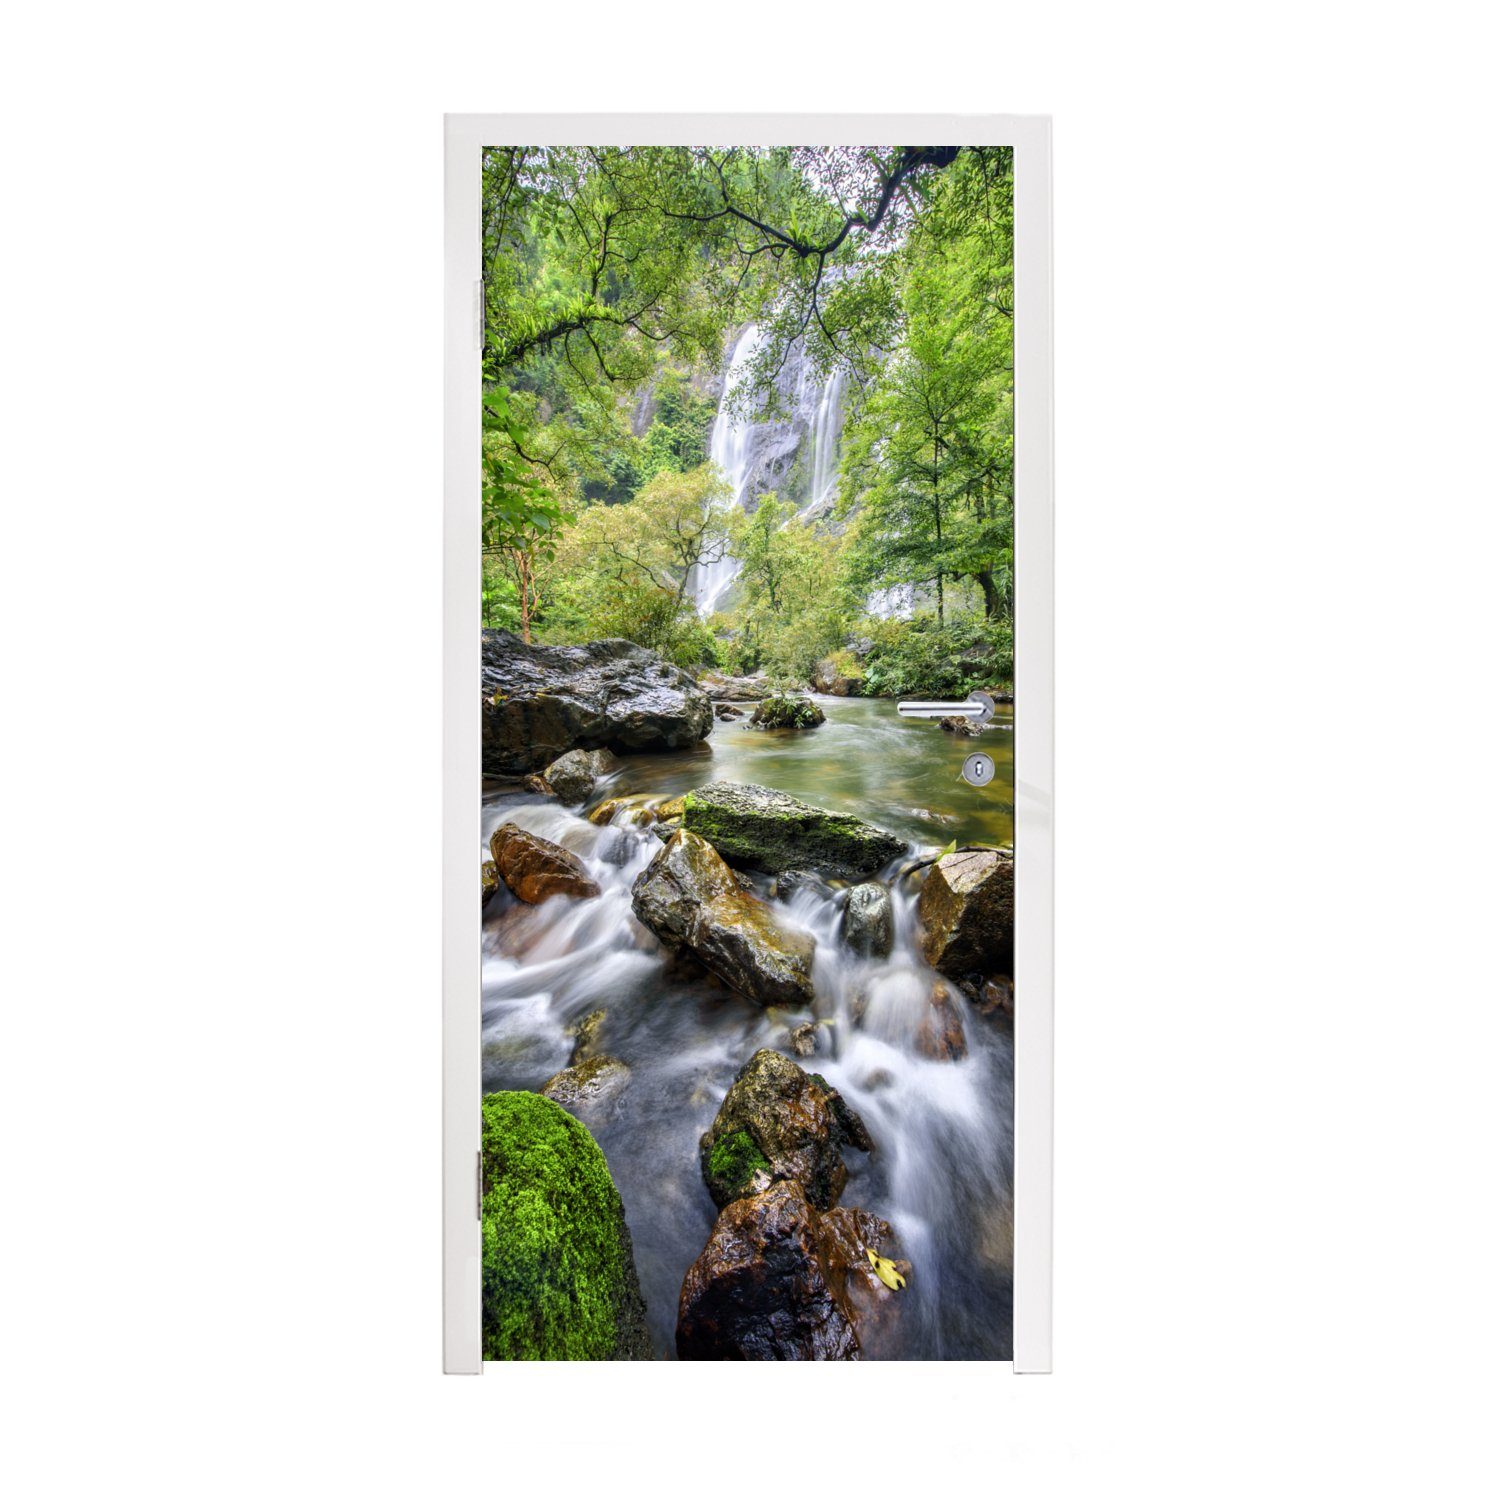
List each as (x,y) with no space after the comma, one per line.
(752,408)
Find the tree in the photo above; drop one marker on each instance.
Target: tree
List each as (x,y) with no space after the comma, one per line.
(520,515)
(794,608)
(930,453)
(625,569)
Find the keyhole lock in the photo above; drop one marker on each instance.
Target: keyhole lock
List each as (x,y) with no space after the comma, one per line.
(979,769)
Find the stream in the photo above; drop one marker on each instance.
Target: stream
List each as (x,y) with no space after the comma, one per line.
(941,1169)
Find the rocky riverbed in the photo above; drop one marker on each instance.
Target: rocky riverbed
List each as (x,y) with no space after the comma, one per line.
(741,965)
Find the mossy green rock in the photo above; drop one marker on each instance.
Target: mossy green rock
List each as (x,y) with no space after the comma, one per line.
(787,711)
(779,1124)
(736,1167)
(559,1279)
(770,831)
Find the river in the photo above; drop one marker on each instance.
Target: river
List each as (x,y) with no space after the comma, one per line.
(941,1169)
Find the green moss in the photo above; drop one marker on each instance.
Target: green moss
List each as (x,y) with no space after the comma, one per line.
(558,1277)
(771,831)
(734,1160)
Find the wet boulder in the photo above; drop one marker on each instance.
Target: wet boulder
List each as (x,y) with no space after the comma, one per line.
(967,911)
(792,882)
(940,1033)
(558,1277)
(586,1036)
(635,810)
(535,868)
(847,1237)
(539,701)
(780,1280)
(668,818)
(594,1082)
(728,711)
(960,724)
(691,900)
(762,1287)
(869,922)
(489,881)
(725,689)
(803,1039)
(839,675)
(771,831)
(996,997)
(787,711)
(779,1124)
(572,776)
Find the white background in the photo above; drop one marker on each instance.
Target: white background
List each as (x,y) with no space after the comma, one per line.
(1277,897)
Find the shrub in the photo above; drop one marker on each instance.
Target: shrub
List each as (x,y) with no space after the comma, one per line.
(909,657)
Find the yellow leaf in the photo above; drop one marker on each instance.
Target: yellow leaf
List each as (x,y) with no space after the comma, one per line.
(886,1270)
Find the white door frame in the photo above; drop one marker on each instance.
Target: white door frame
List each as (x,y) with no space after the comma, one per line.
(1031,138)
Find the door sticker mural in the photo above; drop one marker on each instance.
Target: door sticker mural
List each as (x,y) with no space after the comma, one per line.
(746,939)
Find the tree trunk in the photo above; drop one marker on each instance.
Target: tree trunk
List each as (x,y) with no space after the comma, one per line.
(991,594)
(937,516)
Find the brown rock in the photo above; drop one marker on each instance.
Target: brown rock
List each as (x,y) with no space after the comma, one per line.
(634,811)
(960,724)
(764,1286)
(586,1037)
(940,1035)
(535,868)
(967,910)
(722,688)
(690,899)
(779,1123)
(874,1309)
(804,1038)
(997,997)
(780,1280)
(828,678)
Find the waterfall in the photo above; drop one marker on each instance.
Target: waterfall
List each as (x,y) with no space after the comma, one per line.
(827,429)
(757,455)
(898,602)
(730,446)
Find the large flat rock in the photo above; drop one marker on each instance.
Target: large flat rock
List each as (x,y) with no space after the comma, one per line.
(771,831)
(540,701)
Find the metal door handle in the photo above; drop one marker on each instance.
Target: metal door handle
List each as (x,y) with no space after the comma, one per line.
(979,706)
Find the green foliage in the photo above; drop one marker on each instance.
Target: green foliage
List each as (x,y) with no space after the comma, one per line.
(909,658)
(795,606)
(930,453)
(783,710)
(557,1278)
(613,278)
(677,437)
(623,570)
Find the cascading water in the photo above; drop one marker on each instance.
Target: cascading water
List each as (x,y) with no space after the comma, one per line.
(730,446)
(758,455)
(940,1172)
(828,428)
